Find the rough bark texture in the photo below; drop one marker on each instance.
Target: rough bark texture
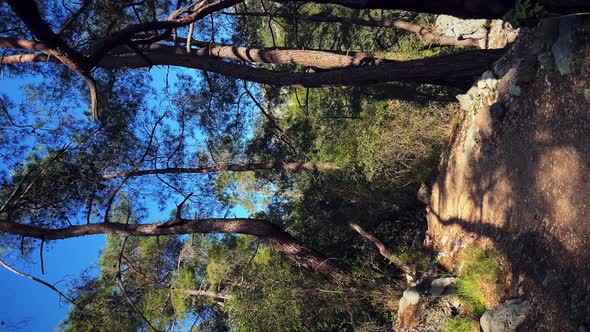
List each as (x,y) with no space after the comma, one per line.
(458,8)
(461,8)
(425,34)
(271,233)
(294,166)
(452,70)
(28,12)
(308,58)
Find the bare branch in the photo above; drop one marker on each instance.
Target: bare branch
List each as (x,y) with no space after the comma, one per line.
(273,165)
(43,282)
(269,232)
(409,271)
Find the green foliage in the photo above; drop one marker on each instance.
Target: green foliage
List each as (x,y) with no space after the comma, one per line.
(182,279)
(480,276)
(385,148)
(414,256)
(461,324)
(269,304)
(525,12)
(243,189)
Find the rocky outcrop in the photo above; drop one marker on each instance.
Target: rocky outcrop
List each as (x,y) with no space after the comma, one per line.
(491,33)
(515,175)
(507,317)
(427,306)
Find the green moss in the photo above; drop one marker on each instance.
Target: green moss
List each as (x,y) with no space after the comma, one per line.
(479,283)
(461,324)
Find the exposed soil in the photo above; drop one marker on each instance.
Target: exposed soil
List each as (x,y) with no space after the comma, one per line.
(525,189)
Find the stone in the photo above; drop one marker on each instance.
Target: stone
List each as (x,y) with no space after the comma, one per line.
(506,317)
(587,95)
(423,194)
(527,71)
(497,111)
(466,101)
(514,90)
(411,296)
(505,82)
(460,28)
(564,48)
(487,81)
(438,286)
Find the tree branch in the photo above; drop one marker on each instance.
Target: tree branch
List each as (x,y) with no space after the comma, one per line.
(277,238)
(127,33)
(409,271)
(289,166)
(456,70)
(423,33)
(42,282)
(29,13)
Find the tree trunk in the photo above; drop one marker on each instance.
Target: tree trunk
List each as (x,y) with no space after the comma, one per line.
(293,166)
(458,8)
(277,238)
(457,70)
(485,9)
(423,33)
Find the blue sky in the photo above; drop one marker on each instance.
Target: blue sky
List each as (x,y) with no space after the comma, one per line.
(36,305)
(29,306)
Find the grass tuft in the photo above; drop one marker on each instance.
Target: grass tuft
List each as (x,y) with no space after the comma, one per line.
(461,324)
(479,284)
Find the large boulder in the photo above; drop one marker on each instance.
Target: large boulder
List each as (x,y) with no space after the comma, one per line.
(506,317)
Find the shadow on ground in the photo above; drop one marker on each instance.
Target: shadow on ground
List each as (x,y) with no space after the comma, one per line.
(526,189)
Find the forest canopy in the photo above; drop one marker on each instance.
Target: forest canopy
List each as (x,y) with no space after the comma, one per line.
(253,164)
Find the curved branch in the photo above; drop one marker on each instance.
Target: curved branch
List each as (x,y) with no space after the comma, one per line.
(396,260)
(292,166)
(453,70)
(199,292)
(53,45)
(423,33)
(276,237)
(41,281)
(126,34)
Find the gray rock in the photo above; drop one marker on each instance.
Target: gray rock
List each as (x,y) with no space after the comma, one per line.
(487,81)
(438,286)
(506,317)
(564,48)
(410,297)
(460,28)
(587,95)
(497,111)
(544,35)
(514,90)
(527,70)
(467,101)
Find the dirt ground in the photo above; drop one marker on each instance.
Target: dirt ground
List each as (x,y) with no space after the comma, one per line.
(525,189)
